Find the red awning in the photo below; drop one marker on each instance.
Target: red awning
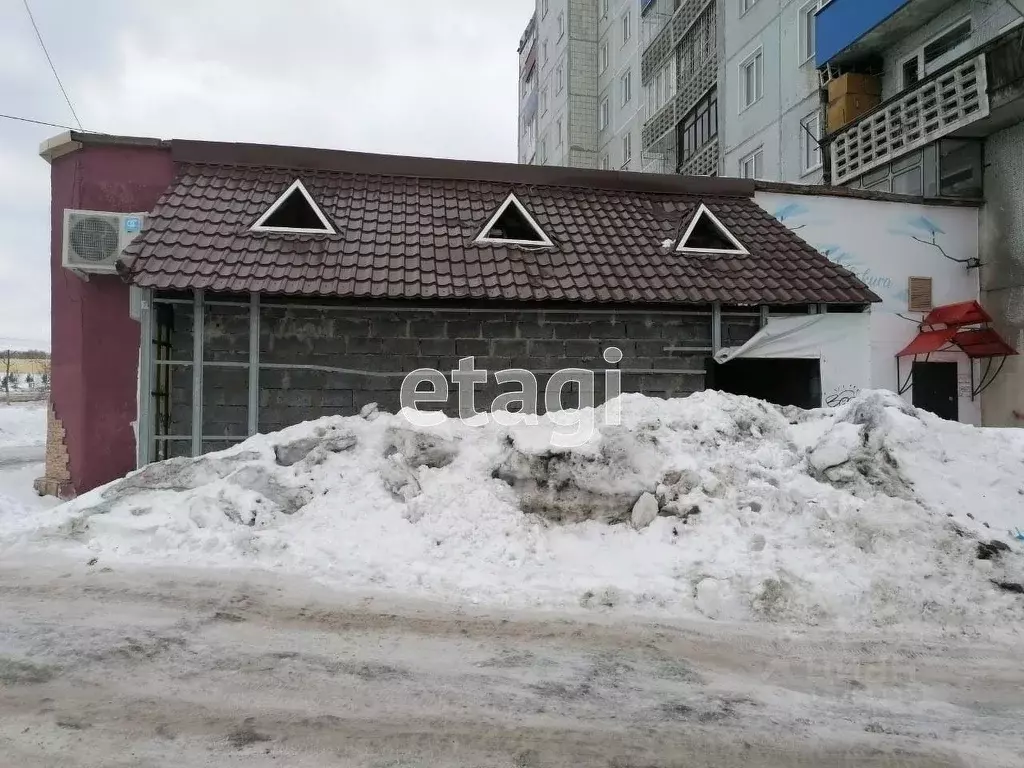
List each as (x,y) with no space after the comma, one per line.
(928,342)
(962,313)
(983,343)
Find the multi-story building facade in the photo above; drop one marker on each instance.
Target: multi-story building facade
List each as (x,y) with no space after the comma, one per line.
(949,123)
(772,120)
(621,85)
(679,71)
(567,66)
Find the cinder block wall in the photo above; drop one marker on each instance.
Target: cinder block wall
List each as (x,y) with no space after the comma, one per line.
(378,347)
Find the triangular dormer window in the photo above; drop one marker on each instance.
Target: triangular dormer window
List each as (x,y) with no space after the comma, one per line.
(294,211)
(706,234)
(512,225)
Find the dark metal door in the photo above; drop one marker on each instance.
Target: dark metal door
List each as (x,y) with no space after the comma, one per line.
(935,389)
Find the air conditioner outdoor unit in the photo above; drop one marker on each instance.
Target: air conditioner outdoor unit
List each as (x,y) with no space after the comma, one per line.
(94,240)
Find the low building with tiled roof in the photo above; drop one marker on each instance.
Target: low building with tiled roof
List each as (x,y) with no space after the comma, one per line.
(271,285)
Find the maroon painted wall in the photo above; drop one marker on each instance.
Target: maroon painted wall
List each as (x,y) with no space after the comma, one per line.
(94,341)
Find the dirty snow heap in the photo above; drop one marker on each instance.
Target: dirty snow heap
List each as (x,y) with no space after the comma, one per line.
(872,514)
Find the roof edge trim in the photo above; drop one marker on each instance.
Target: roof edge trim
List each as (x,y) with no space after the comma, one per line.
(342,161)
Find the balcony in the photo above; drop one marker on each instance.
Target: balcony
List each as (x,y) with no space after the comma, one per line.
(848,31)
(667,40)
(973,97)
(691,88)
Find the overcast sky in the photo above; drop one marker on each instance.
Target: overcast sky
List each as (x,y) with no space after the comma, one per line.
(419,77)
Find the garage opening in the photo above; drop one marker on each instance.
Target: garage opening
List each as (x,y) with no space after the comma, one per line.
(782,381)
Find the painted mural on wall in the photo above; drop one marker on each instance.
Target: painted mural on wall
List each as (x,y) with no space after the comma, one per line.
(884,244)
(876,269)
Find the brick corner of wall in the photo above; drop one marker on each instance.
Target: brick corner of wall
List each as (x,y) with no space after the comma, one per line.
(56,480)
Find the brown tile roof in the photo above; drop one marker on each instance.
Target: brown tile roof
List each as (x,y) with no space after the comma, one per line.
(405,230)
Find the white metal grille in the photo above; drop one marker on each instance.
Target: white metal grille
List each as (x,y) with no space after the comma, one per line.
(666,42)
(691,90)
(918,117)
(702,163)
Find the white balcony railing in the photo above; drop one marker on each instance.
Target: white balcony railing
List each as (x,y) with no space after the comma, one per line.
(934,108)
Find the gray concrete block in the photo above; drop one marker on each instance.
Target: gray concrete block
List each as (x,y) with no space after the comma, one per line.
(361,345)
(472,347)
(583,350)
(570,329)
(389,329)
(528,329)
(499,329)
(464,329)
(544,348)
(510,347)
(639,329)
(437,347)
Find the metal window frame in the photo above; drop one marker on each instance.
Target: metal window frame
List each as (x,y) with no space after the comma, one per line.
(147,369)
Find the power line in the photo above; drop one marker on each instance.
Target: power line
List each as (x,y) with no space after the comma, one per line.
(36,122)
(53,69)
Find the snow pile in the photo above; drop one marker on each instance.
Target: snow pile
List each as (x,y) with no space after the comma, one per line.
(22,424)
(713,505)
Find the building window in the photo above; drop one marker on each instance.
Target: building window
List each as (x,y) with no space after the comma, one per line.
(697,46)
(699,127)
(752,165)
(603,114)
(911,70)
(604,9)
(602,57)
(560,78)
(751,79)
(943,49)
(544,53)
(558,132)
(662,87)
(807,28)
(810,135)
(626,27)
(746,5)
(542,153)
(545,6)
(561,25)
(606,162)
(544,100)
(626,84)
(627,148)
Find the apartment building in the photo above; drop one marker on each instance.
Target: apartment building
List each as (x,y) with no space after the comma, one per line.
(579,100)
(611,84)
(947,121)
(772,120)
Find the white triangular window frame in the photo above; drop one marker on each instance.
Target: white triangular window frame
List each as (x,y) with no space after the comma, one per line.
(513,200)
(702,211)
(297,185)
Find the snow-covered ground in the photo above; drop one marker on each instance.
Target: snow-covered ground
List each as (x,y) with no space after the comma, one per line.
(22,424)
(869,515)
(22,445)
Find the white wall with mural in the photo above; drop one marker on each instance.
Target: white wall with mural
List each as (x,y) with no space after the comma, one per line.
(885,244)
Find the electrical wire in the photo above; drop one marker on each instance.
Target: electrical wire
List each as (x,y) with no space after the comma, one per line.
(53,69)
(36,122)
